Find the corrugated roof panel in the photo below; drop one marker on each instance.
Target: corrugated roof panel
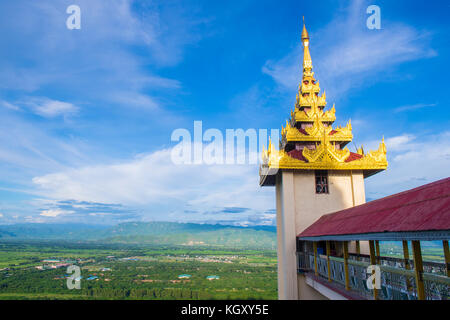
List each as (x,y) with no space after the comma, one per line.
(420,209)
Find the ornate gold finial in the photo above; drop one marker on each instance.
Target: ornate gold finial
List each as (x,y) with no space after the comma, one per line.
(307,62)
(360,151)
(305,35)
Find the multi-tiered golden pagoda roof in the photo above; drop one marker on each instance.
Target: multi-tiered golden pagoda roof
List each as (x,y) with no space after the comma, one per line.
(309,141)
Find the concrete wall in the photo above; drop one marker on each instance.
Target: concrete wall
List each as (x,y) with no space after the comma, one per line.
(306,292)
(298,206)
(363,247)
(346,189)
(286,235)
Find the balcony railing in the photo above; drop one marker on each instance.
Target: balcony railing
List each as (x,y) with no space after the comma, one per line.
(397,282)
(428,266)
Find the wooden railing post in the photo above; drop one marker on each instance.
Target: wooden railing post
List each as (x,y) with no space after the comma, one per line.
(447,256)
(406,254)
(406,261)
(373,261)
(418,270)
(377,247)
(328,260)
(316,272)
(347,280)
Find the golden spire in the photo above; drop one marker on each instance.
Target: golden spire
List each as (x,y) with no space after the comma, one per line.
(307,62)
(323,146)
(305,35)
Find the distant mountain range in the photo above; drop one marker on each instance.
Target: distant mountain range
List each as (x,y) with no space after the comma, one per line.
(155,233)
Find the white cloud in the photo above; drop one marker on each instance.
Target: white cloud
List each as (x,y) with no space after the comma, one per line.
(9,105)
(153,183)
(27,149)
(415,107)
(54,212)
(399,143)
(345,54)
(119,48)
(165,191)
(51,108)
(64,211)
(412,162)
(135,100)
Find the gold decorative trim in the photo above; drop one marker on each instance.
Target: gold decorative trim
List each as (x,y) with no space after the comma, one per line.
(325,152)
(325,157)
(314,133)
(309,101)
(308,116)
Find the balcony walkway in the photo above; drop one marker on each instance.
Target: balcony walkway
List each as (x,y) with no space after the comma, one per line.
(420,214)
(336,288)
(397,283)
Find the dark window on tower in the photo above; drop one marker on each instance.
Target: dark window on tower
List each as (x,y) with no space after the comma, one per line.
(322,181)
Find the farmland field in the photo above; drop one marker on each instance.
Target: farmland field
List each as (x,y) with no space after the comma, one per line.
(38,270)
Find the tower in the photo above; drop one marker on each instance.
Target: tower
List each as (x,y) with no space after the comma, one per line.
(313,171)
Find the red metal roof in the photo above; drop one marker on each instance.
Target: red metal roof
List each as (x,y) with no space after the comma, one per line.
(297,154)
(353,156)
(303,131)
(426,208)
(332,132)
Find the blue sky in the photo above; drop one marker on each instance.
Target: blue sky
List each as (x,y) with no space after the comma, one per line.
(87,115)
